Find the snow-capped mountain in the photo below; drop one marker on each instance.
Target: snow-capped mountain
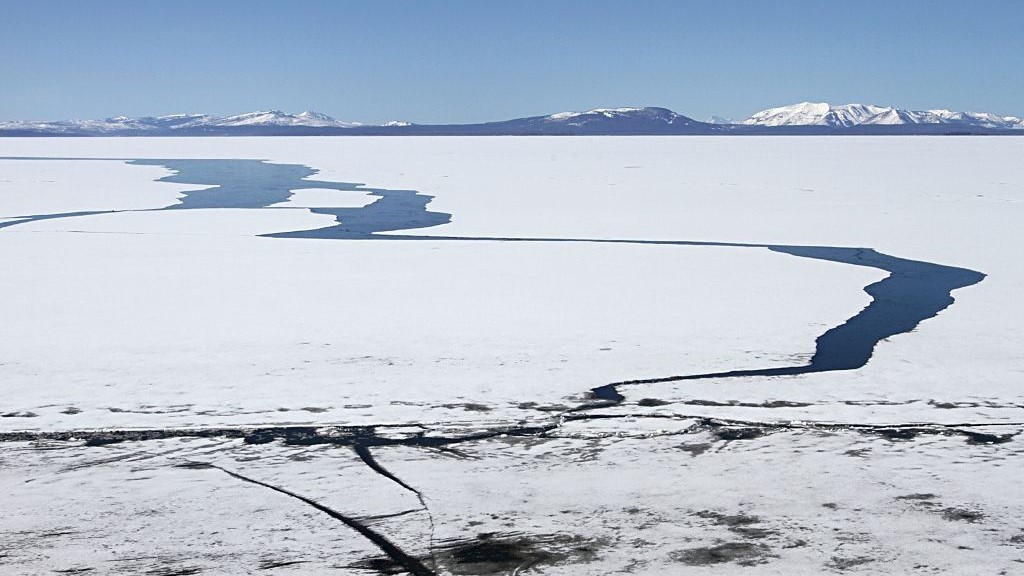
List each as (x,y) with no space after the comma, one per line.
(849,115)
(609,121)
(976,119)
(716,119)
(815,114)
(622,115)
(274,118)
(115,125)
(178,124)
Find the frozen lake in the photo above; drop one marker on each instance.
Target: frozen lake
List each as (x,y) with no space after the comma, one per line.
(256,322)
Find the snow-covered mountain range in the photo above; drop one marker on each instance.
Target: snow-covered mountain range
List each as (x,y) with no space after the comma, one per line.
(277,118)
(177,123)
(803,118)
(849,115)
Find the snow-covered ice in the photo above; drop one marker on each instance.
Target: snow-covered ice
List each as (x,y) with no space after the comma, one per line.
(192,329)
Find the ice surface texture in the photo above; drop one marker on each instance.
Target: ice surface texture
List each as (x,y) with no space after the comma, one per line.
(913,292)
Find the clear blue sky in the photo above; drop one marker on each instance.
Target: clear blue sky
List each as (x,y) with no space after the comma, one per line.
(475,60)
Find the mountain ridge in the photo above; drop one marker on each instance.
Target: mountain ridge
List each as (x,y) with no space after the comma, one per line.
(849,115)
(805,118)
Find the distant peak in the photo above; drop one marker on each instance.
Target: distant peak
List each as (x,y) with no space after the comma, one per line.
(625,113)
(624,110)
(715,119)
(314,115)
(848,115)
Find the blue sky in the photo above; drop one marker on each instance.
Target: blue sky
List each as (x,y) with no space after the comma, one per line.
(468,61)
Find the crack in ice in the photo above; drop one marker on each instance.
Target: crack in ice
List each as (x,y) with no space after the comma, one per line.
(363,451)
(410,563)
